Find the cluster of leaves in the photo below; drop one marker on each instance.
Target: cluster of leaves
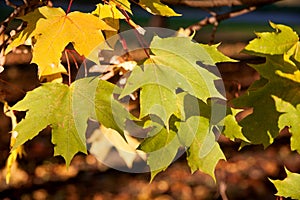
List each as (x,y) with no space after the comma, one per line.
(274,97)
(180,105)
(170,80)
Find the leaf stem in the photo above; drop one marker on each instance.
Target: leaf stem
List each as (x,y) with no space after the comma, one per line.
(69,7)
(137,34)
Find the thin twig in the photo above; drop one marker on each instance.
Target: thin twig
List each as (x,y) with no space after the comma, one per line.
(74,59)
(69,7)
(137,34)
(217,19)
(10,4)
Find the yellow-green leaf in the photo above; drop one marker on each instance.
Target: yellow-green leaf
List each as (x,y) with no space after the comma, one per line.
(204,152)
(67,109)
(289,187)
(232,129)
(157,8)
(274,43)
(290,117)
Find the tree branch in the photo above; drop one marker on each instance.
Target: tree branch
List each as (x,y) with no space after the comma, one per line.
(216,19)
(219,3)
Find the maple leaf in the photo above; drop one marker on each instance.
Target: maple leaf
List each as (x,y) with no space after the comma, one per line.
(254,127)
(289,187)
(108,11)
(55,30)
(124,4)
(203,151)
(232,129)
(290,116)
(284,41)
(111,15)
(192,131)
(161,148)
(66,110)
(174,65)
(157,8)
(278,77)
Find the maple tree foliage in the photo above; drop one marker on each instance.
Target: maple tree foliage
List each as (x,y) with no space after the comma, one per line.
(180,106)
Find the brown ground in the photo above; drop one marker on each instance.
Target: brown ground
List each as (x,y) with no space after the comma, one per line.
(243,176)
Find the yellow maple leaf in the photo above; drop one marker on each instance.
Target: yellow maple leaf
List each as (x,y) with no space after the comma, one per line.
(108,11)
(157,8)
(123,4)
(32,18)
(111,15)
(53,32)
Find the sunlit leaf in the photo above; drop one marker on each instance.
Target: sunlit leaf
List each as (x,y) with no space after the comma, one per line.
(66,110)
(171,68)
(283,41)
(274,43)
(157,8)
(254,127)
(55,30)
(289,187)
(290,116)
(111,15)
(232,129)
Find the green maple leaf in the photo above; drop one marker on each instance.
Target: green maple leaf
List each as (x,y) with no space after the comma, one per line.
(174,65)
(161,148)
(254,127)
(158,100)
(203,151)
(157,8)
(66,110)
(109,111)
(55,30)
(278,77)
(290,116)
(51,104)
(289,187)
(194,133)
(215,54)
